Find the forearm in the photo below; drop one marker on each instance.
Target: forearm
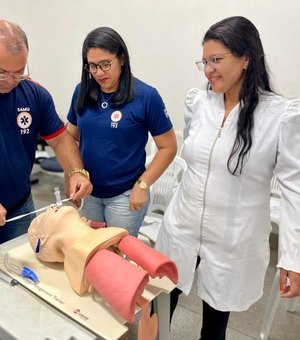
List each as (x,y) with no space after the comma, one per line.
(167,148)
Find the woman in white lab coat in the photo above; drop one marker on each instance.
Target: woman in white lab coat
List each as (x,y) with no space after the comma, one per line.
(237,134)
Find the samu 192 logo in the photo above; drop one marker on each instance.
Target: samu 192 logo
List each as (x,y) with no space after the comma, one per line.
(24,120)
(115,117)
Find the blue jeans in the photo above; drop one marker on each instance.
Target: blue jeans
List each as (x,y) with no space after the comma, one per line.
(115,211)
(19,227)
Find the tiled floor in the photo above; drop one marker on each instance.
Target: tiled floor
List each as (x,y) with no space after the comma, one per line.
(187,317)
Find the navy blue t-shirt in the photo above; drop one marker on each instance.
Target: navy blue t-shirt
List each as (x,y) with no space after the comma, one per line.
(113,140)
(26,112)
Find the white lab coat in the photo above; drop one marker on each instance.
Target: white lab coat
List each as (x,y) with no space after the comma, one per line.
(224,218)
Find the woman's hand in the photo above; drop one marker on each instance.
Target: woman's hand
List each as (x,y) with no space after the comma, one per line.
(289,283)
(138,198)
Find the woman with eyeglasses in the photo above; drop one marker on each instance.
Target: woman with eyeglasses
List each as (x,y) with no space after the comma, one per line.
(111,115)
(238,133)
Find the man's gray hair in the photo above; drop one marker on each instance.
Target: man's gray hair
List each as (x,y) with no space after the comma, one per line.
(12,37)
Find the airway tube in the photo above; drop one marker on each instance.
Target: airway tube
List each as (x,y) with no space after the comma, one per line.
(119,282)
(154,262)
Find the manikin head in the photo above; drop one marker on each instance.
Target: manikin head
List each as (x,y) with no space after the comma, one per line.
(55,230)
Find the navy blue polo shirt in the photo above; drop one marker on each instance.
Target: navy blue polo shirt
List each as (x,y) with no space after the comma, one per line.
(26,112)
(113,140)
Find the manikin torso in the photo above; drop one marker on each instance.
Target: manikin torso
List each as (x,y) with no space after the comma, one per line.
(66,237)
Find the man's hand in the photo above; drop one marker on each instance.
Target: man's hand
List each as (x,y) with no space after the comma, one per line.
(80,187)
(3,212)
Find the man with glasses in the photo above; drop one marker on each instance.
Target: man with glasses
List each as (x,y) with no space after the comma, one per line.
(26,111)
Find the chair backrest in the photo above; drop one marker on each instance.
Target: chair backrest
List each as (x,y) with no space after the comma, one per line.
(151,147)
(163,189)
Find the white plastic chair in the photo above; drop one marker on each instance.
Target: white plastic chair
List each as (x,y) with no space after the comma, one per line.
(163,189)
(161,193)
(151,147)
(274,295)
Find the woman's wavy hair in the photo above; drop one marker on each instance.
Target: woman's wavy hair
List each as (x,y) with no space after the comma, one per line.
(107,39)
(241,37)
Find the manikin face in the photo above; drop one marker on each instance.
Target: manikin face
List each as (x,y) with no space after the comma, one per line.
(226,74)
(55,230)
(107,80)
(11,64)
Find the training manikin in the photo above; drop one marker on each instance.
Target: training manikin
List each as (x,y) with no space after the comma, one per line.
(94,258)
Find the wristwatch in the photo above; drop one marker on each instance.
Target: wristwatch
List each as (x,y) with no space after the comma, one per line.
(143,185)
(83,172)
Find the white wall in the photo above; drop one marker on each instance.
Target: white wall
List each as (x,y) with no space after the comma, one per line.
(163,37)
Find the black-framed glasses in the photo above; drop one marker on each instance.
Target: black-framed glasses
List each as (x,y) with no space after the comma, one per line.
(17,76)
(212,61)
(104,65)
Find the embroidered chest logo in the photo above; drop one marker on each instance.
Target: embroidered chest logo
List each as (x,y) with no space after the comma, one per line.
(24,120)
(115,117)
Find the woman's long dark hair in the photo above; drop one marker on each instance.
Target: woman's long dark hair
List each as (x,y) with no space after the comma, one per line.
(241,37)
(108,39)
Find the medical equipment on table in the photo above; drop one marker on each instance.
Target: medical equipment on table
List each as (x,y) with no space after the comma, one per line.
(6,278)
(25,272)
(13,268)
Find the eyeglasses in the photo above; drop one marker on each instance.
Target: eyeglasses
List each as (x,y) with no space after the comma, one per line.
(212,61)
(104,65)
(16,76)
